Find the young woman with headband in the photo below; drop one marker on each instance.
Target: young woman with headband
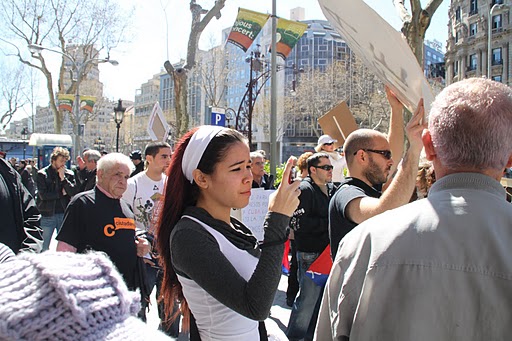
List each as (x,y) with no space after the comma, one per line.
(212,263)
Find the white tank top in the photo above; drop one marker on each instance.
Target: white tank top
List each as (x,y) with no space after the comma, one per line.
(214,320)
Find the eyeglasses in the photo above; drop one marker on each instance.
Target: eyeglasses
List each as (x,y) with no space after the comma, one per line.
(385,153)
(325,167)
(328,144)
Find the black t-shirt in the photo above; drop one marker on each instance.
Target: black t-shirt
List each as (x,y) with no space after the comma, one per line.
(94,221)
(339,225)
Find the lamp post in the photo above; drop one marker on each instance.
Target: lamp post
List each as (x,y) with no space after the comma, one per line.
(243,119)
(99,145)
(230,114)
(24,135)
(273,93)
(79,68)
(489,37)
(118,118)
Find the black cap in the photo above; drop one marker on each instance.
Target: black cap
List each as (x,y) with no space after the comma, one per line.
(136,155)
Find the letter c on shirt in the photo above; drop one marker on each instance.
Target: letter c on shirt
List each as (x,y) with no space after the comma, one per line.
(109,230)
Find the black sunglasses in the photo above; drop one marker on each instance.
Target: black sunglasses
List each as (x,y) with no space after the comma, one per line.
(385,153)
(325,167)
(328,144)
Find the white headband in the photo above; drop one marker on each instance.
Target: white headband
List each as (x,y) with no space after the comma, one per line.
(196,147)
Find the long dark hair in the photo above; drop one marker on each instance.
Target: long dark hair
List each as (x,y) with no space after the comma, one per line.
(179,194)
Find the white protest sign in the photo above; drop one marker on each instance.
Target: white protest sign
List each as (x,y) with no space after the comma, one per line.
(254,214)
(382,49)
(158,129)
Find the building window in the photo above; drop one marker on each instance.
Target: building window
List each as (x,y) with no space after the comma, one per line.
(494,2)
(496,78)
(457,14)
(473,7)
(496,23)
(457,36)
(472,62)
(496,56)
(304,48)
(472,29)
(455,68)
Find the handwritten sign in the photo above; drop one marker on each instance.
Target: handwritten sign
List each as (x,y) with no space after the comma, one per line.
(254,214)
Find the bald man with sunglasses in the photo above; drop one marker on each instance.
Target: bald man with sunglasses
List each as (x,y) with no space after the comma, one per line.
(370,165)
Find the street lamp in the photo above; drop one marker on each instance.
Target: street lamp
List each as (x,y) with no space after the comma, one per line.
(99,145)
(78,70)
(118,118)
(230,114)
(243,121)
(495,7)
(24,134)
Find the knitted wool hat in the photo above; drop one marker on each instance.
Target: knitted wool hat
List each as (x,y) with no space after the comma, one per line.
(66,296)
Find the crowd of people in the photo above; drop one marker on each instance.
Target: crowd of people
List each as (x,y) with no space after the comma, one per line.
(387,242)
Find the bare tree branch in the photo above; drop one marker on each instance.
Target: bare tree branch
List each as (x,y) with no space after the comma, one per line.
(402,11)
(198,27)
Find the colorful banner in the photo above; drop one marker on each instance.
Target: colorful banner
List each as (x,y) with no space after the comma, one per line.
(66,102)
(288,34)
(246,28)
(87,103)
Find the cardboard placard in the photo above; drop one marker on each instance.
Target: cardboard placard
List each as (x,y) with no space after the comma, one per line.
(338,123)
(158,129)
(382,48)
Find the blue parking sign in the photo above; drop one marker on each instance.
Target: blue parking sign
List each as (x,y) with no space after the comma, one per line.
(218,117)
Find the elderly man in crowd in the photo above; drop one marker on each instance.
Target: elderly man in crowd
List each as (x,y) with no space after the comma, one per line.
(87,169)
(438,268)
(99,220)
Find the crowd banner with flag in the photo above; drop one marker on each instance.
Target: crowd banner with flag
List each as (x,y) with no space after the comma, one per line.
(246,28)
(87,103)
(288,34)
(66,102)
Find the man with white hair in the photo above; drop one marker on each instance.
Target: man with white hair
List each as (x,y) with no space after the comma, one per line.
(86,176)
(438,268)
(260,178)
(99,220)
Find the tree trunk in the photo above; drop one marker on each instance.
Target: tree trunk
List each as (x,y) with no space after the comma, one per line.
(180,75)
(181,97)
(416,23)
(57,115)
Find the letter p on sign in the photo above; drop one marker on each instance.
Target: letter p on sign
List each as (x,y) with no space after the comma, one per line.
(218,117)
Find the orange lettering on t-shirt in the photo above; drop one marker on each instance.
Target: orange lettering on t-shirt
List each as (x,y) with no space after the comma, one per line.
(119,224)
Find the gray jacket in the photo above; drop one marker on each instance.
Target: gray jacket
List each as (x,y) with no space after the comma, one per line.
(437,269)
